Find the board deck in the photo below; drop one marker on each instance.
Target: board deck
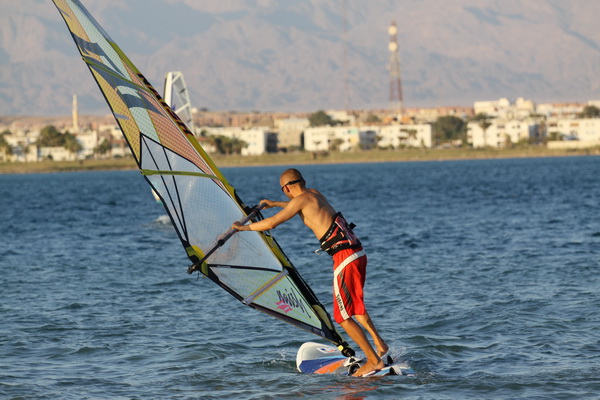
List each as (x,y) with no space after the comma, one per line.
(317,358)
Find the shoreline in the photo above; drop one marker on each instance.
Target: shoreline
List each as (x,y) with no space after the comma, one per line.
(303,158)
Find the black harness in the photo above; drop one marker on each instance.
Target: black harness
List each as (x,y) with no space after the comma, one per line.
(339,236)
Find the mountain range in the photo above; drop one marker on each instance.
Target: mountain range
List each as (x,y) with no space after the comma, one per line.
(306,55)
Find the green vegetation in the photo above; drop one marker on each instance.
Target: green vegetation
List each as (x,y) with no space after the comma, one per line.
(71,143)
(103,148)
(5,148)
(51,137)
(372,119)
(590,112)
(227,145)
(321,118)
(448,129)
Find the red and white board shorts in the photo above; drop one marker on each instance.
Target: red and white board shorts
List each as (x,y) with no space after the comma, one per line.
(349,273)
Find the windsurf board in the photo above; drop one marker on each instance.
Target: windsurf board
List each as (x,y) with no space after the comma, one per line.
(317,358)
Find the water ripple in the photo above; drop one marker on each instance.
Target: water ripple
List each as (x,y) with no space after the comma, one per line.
(483,277)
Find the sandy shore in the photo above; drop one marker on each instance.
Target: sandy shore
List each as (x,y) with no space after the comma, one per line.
(307,158)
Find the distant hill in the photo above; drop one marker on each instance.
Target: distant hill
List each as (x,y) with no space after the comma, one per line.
(271,55)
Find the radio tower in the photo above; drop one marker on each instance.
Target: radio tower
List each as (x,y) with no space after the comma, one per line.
(396,102)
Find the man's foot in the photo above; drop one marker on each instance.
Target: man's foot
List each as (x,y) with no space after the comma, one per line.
(369,367)
(382,349)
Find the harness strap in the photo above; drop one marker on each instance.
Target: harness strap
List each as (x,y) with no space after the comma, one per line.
(339,236)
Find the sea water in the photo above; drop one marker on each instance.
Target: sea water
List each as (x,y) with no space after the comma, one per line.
(483,276)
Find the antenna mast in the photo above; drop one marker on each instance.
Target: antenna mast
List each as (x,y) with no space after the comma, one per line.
(396,101)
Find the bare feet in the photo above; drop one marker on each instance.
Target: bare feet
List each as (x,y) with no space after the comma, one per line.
(369,367)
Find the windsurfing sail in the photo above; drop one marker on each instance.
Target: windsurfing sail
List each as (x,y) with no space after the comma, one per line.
(200,202)
(178,97)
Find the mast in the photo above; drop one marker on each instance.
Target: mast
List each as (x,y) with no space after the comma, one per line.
(396,101)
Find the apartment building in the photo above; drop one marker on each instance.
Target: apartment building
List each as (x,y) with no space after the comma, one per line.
(405,135)
(504,132)
(289,132)
(339,138)
(259,140)
(503,108)
(574,133)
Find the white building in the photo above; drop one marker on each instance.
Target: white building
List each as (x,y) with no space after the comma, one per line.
(260,140)
(406,135)
(22,143)
(503,133)
(88,140)
(574,133)
(112,133)
(521,108)
(56,153)
(325,138)
(560,110)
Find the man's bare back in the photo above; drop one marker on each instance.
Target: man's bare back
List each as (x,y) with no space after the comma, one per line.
(316,212)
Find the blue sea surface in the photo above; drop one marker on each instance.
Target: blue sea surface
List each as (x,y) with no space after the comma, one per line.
(483,276)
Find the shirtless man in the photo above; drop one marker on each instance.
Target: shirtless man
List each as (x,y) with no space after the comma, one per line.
(349,259)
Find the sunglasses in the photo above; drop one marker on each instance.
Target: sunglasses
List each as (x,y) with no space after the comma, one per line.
(291,183)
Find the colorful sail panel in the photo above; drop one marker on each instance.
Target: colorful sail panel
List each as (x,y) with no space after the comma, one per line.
(199,200)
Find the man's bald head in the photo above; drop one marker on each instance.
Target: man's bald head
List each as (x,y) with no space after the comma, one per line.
(291,177)
(291,174)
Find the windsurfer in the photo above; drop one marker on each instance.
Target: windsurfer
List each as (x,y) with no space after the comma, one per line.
(350,260)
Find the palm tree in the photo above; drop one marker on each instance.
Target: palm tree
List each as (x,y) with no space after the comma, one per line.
(483,120)
(5,148)
(237,145)
(103,148)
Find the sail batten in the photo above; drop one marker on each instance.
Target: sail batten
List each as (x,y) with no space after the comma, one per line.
(199,200)
(250,299)
(146,171)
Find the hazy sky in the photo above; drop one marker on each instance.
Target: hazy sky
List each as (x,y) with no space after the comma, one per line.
(291,55)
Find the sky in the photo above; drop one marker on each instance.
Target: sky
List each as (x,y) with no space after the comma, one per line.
(269,55)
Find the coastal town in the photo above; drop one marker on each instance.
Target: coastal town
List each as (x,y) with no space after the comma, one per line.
(499,124)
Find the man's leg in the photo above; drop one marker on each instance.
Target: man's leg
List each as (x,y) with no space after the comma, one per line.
(367,323)
(355,332)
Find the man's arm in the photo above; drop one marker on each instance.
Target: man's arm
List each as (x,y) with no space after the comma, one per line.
(290,208)
(270,203)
